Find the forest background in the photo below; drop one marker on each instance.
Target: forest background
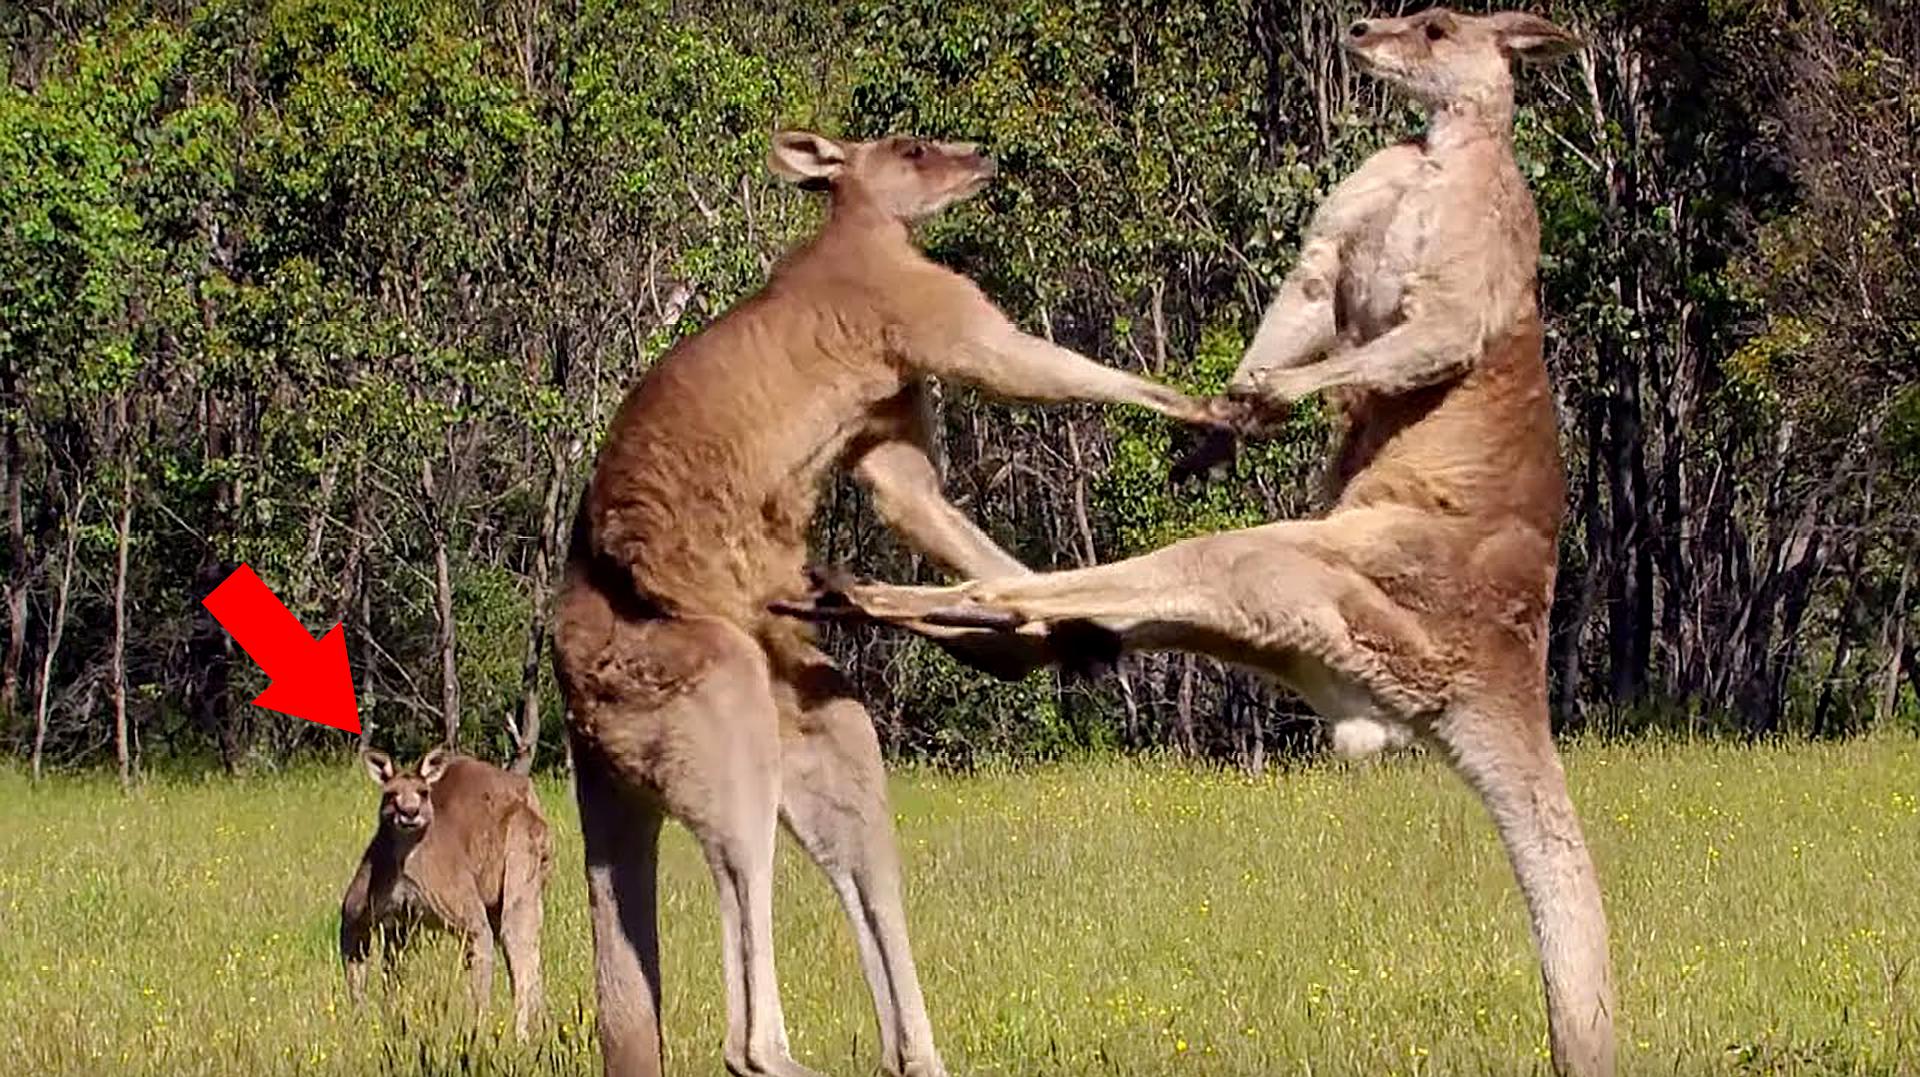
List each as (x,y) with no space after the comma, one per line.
(346,291)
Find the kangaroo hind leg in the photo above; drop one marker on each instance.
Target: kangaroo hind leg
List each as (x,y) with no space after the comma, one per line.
(521,914)
(621,828)
(834,799)
(699,732)
(1506,753)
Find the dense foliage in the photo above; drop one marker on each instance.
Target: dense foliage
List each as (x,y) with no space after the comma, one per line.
(346,291)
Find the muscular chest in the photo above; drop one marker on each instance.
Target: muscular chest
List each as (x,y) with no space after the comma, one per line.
(401,901)
(403,897)
(1383,263)
(407,900)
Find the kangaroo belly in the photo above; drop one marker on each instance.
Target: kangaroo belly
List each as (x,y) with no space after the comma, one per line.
(1484,446)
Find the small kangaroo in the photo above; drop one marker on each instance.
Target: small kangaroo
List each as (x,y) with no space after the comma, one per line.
(685,695)
(1418,604)
(462,847)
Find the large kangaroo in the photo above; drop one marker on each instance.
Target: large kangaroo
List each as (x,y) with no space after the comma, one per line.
(1418,604)
(685,696)
(462,847)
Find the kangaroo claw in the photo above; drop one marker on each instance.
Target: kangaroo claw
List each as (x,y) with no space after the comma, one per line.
(974,617)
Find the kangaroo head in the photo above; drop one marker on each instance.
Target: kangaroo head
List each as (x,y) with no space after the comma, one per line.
(1444,58)
(905,178)
(406,806)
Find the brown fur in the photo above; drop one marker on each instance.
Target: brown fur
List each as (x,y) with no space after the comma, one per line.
(685,697)
(1418,604)
(461,847)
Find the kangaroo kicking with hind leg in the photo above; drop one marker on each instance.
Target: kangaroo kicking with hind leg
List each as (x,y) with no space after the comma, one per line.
(685,696)
(1417,606)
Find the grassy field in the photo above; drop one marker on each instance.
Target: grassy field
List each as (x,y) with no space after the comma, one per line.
(1096,918)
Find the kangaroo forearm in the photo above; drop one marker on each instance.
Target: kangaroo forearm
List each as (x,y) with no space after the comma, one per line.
(1300,325)
(906,494)
(356,922)
(1016,366)
(356,942)
(1412,356)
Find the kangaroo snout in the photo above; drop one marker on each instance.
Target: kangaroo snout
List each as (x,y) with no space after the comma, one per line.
(968,155)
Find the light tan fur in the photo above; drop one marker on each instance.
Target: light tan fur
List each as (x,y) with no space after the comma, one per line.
(1417,605)
(685,696)
(461,847)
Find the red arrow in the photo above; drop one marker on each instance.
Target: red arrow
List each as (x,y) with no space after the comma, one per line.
(310,678)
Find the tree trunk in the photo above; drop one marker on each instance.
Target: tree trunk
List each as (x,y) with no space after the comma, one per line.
(1825,723)
(124,533)
(1910,658)
(353,587)
(1189,740)
(210,662)
(367,652)
(209,648)
(449,670)
(1630,593)
(1852,623)
(1793,611)
(304,586)
(1239,698)
(1896,644)
(54,632)
(1082,522)
(1131,704)
(443,614)
(526,734)
(16,583)
(1568,641)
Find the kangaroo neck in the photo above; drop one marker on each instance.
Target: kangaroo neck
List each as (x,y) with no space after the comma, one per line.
(1458,124)
(857,217)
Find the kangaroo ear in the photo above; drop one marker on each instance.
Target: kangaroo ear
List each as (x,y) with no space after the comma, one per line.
(806,158)
(1531,37)
(434,766)
(379,767)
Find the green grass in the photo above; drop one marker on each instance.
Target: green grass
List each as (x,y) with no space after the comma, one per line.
(1096,918)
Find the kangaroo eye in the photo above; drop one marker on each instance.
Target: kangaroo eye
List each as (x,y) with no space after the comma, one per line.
(1435,31)
(914,152)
